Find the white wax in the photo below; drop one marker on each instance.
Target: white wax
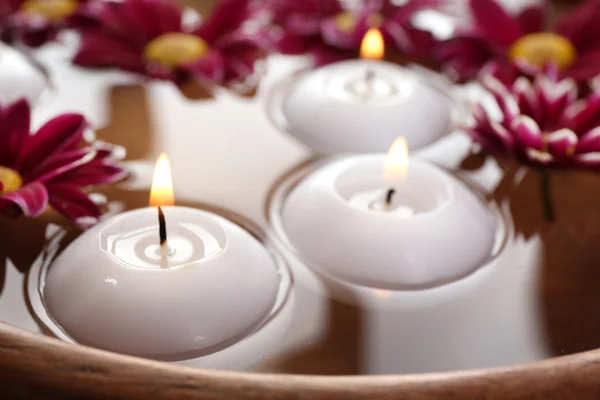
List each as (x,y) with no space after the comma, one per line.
(335,109)
(19,77)
(108,290)
(442,231)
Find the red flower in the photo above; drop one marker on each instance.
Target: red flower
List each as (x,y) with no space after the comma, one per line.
(35,22)
(515,45)
(150,38)
(51,166)
(542,124)
(325,30)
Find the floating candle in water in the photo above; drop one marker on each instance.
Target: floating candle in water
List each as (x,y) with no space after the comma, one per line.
(116,288)
(361,106)
(396,224)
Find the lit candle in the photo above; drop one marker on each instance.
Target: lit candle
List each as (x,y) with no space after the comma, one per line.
(115,287)
(361,106)
(387,222)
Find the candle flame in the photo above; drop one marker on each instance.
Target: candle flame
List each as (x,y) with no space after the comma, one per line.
(161,193)
(372,46)
(396,160)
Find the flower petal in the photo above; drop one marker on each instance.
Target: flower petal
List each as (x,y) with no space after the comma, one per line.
(561,143)
(99,171)
(533,18)
(493,21)
(99,50)
(73,204)
(323,54)
(589,142)
(227,16)
(527,132)
(580,25)
(60,163)
(210,69)
(13,131)
(588,160)
(31,199)
(348,37)
(62,133)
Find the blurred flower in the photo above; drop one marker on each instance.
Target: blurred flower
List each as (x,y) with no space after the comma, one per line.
(35,22)
(149,37)
(52,166)
(328,32)
(509,46)
(542,124)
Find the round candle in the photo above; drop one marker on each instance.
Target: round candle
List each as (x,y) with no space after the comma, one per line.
(431,229)
(117,287)
(19,78)
(361,106)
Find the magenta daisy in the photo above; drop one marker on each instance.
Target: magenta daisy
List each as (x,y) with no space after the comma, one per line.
(328,32)
(542,124)
(149,37)
(521,44)
(35,22)
(52,166)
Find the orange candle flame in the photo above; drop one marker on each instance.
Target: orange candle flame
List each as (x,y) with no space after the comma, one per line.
(396,161)
(372,46)
(161,193)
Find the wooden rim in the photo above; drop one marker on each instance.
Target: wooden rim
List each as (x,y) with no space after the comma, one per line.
(33,365)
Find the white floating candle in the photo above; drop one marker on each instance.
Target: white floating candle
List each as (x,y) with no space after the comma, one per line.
(19,77)
(342,220)
(361,106)
(115,288)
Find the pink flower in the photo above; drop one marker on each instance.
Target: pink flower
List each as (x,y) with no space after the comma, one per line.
(52,166)
(542,124)
(150,38)
(329,33)
(510,46)
(35,22)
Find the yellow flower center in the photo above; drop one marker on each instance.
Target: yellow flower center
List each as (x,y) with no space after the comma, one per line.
(543,47)
(11,180)
(346,21)
(51,9)
(175,49)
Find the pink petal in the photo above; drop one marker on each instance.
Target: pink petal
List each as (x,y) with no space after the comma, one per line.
(239,61)
(335,36)
(586,66)
(580,24)
(73,204)
(493,21)
(561,143)
(31,199)
(60,163)
(62,133)
(227,16)
(421,43)
(323,54)
(527,132)
(34,31)
(14,129)
(210,69)
(153,17)
(99,50)
(587,160)
(464,56)
(303,24)
(533,18)
(583,115)
(96,172)
(590,141)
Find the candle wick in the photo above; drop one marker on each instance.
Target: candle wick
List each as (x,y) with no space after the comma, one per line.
(162,232)
(369,78)
(388,198)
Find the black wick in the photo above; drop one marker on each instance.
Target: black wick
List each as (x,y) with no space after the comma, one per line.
(162,227)
(388,197)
